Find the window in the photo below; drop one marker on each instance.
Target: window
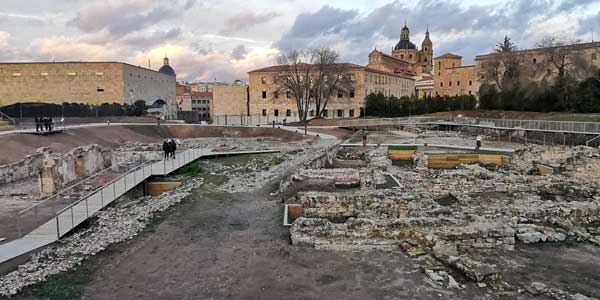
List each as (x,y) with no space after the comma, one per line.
(470,93)
(535,60)
(594,56)
(410,56)
(351,113)
(99,90)
(264,112)
(453,65)
(264,94)
(482,76)
(288,113)
(351,93)
(450,83)
(288,94)
(275,79)
(312,113)
(276,112)
(458,83)
(276,95)
(401,56)
(441,84)
(340,94)
(425,49)
(340,113)
(263,80)
(470,82)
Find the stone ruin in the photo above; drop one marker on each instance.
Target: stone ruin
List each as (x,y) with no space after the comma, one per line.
(447,214)
(54,170)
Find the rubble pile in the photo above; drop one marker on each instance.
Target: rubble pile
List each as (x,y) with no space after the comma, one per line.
(545,195)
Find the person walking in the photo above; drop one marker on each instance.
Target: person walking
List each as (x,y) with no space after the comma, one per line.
(37,124)
(173,148)
(166,149)
(51,123)
(478,145)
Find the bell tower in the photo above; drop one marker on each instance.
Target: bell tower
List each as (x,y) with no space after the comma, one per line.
(427,53)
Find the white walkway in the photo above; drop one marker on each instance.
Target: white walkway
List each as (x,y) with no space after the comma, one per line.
(70,217)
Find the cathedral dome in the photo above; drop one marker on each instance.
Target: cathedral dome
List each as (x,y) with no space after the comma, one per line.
(167,69)
(405,44)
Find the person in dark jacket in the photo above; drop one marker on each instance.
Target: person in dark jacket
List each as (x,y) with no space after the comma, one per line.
(37,124)
(173,147)
(166,149)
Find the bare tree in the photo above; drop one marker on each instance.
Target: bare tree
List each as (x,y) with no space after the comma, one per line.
(296,79)
(502,67)
(563,62)
(312,77)
(330,78)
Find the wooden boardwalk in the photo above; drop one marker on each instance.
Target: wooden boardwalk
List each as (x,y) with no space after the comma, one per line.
(76,213)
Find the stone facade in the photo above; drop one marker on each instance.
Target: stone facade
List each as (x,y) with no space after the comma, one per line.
(229,100)
(536,62)
(84,82)
(267,96)
(454,79)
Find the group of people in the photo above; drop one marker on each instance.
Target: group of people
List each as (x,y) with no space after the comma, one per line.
(44,124)
(169,147)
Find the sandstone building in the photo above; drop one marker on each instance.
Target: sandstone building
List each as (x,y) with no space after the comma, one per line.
(230,100)
(406,57)
(198,102)
(454,79)
(267,96)
(87,82)
(537,64)
(424,86)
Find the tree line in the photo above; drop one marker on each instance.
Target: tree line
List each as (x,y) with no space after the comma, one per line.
(560,77)
(32,110)
(379,105)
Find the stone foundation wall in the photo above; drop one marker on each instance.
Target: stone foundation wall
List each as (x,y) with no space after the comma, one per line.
(336,205)
(24,169)
(58,171)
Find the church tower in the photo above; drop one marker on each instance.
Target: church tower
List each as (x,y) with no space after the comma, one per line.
(427,54)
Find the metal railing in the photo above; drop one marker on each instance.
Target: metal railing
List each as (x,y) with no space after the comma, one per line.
(71,216)
(10,120)
(38,214)
(536,125)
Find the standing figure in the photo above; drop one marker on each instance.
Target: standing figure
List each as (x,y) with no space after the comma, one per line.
(173,147)
(478,146)
(51,123)
(166,148)
(37,124)
(364,137)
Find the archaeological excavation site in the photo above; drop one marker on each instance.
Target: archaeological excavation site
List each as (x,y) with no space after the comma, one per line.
(411,211)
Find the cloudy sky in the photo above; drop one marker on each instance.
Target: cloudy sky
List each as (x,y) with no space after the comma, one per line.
(222,40)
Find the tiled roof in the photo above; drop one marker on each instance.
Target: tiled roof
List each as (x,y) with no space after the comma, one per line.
(284,67)
(448,55)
